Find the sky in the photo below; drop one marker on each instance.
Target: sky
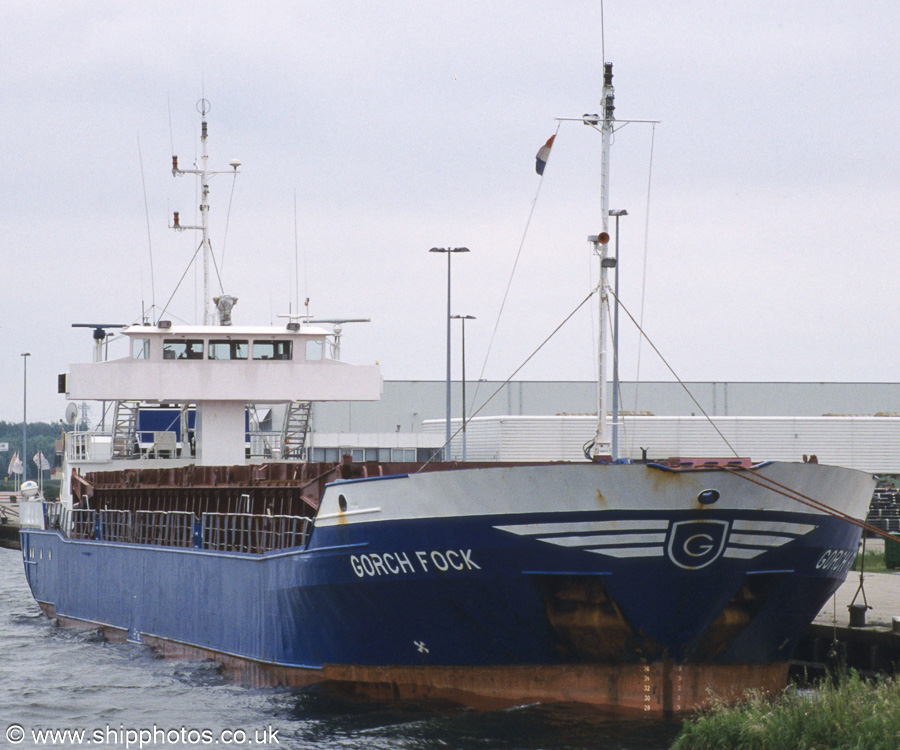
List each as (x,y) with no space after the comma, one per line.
(761,241)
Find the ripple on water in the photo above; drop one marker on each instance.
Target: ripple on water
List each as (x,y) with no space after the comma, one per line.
(59,678)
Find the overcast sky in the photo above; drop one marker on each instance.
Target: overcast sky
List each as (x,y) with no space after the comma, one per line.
(771,222)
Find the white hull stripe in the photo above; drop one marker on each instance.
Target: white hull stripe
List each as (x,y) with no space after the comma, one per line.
(629,551)
(605,540)
(647,538)
(586,527)
(755,540)
(742,554)
(793,529)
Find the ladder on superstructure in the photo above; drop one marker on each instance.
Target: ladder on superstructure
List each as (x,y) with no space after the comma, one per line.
(188,448)
(296,428)
(256,434)
(124,437)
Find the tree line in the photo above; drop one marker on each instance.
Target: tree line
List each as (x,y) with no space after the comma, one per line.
(42,436)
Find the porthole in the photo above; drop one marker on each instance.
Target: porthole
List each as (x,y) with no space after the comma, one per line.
(708,497)
(342,503)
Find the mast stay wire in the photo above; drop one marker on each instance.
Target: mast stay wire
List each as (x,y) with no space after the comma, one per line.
(216,267)
(147,217)
(513,374)
(751,474)
(637,376)
(674,374)
(508,286)
(174,291)
(171,132)
(602,34)
(227,220)
(296,258)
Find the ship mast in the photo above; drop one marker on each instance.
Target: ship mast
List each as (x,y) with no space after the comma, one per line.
(205,174)
(601,445)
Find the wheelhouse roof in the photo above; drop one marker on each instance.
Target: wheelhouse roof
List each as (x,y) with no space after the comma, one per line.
(224,331)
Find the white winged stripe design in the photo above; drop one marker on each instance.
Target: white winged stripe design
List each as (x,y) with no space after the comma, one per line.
(751,538)
(647,537)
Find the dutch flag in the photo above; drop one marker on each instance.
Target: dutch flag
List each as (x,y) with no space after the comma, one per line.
(542,155)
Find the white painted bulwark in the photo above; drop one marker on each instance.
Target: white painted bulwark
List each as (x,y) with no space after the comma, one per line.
(632,487)
(31,515)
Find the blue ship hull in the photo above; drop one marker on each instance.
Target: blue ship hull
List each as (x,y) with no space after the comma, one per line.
(569,588)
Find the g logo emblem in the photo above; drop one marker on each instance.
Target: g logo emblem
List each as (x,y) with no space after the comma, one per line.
(698,545)
(695,544)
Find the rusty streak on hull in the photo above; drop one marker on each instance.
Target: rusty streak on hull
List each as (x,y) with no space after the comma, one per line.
(660,688)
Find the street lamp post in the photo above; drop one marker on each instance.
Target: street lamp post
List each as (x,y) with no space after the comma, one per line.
(448,251)
(25,356)
(464,318)
(615,399)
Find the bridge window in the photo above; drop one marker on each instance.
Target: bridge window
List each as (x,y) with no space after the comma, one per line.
(229,349)
(183,349)
(140,348)
(271,349)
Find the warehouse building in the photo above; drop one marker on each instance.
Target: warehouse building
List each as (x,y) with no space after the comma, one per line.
(852,424)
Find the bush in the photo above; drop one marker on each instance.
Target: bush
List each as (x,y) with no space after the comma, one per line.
(850,713)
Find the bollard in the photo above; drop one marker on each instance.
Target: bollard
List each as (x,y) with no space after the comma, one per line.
(857,615)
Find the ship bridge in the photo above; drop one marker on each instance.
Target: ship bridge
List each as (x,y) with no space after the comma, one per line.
(221,369)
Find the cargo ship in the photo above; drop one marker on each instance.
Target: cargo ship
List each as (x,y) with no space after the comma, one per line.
(650,586)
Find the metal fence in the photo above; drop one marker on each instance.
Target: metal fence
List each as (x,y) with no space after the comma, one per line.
(82,524)
(170,528)
(56,516)
(246,532)
(224,532)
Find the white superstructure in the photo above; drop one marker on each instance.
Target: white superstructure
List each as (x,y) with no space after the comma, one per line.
(260,364)
(222,369)
(204,382)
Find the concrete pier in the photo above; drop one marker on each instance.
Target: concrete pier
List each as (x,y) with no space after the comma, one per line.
(839,640)
(882,593)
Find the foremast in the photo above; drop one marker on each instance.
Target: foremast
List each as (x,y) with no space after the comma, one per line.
(602,442)
(205,174)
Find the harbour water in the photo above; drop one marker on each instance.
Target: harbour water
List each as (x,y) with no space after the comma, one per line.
(125,696)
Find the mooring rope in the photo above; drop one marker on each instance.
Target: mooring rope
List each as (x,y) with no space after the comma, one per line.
(792,494)
(758,478)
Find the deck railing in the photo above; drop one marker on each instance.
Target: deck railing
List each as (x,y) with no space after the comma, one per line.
(82,524)
(113,526)
(223,532)
(91,447)
(245,532)
(170,528)
(88,446)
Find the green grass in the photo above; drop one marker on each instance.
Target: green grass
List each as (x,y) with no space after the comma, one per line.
(874,562)
(852,713)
